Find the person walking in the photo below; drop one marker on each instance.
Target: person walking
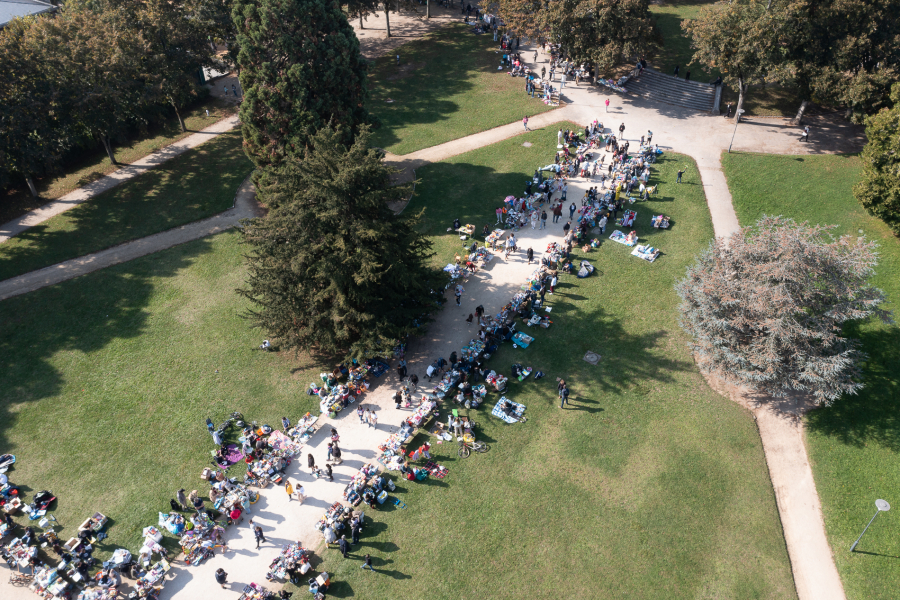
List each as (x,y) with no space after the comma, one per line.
(564,191)
(414,381)
(329,473)
(607,105)
(557,212)
(530,254)
(259,535)
(311,462)
(567,227)
(221,576)
(572,210)
(563,393)
(621,131)
(459,289)
(525,122)
(367,563)
(288,488)
(727,112)
(649,137)
(359,413)
(373,419)
(805,136)
(301,493)
(680,173)
(366,416)
(336,455)
(543,219)
(344,545)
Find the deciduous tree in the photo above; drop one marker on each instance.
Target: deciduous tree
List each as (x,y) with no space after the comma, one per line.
(879,189)
(767,308)
(332,268)
(300,70)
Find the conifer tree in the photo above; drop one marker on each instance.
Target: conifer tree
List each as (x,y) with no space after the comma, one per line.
(332,269)
(300,69)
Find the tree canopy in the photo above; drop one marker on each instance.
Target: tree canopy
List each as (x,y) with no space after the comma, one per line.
(879,189)
(766,309)
(332,269)
(602,32)
(300,70)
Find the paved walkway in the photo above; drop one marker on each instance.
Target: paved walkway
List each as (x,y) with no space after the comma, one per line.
(701,136)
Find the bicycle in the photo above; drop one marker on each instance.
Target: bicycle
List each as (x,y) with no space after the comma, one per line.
(465,448)
(20,579)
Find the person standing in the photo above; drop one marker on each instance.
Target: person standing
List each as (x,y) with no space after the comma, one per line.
(366,414)
(460,290)
(553,282)
(562,80)
(602,224)
(329,473)
(621,131)
(607,105)
(564,191)
(557,212)
(676,72)
(344,545)
(680,173)
(288,488)
(499,212)
(572,210)
(563,393)
(259,535)
(301,493)
(567,227)
(559,138)
(311,462)
(336,455)
(221,576)
(530,255)
(354,530)
(330,451)
(367,563)
(805,136)
(373,419)
(359,413)
(543,219)
(687,76)
(182,499)
(525,122)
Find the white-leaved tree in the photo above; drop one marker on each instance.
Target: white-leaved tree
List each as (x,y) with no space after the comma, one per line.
(766,309)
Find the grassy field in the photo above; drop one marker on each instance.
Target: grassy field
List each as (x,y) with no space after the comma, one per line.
(446,87)
(108,379)
(649,486)
(197,184)
(90,165)
(854,444)
(770,100)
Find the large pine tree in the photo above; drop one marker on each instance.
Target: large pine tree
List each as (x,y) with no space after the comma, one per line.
(332,268)
(300,69)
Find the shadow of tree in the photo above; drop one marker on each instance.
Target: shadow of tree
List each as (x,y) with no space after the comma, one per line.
(197,184)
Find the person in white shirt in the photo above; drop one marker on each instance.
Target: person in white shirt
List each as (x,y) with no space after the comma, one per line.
(602,224)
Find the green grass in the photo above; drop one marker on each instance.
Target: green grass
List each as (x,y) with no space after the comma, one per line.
(447,87)
(770,100)
(854,444)
(651,486)
(108,379)
(89,165)
(197,184)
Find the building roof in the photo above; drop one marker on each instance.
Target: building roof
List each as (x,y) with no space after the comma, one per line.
(10,9)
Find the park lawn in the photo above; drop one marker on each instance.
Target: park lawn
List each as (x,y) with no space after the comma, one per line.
(194,185)
(769,100)
(650,486)
(446,87)
(108,380)
(92,164)
(854,444)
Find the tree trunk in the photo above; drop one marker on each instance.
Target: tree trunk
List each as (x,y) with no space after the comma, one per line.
(427,9)
(31,187)
(387,20)
(178,114)
(799,118)
(742,90)
(109,150)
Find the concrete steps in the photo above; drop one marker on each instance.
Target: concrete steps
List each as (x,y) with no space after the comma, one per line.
(658,87)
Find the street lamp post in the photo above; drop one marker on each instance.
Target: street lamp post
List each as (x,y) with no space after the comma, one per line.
(737,119)
(882,506)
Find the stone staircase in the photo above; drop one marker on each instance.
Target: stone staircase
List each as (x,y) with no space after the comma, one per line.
(658,87)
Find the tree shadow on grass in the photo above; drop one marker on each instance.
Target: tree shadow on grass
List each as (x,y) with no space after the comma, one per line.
(197,184)
(83,316)
(872,416)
